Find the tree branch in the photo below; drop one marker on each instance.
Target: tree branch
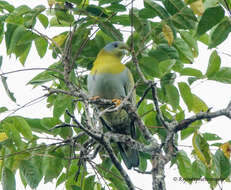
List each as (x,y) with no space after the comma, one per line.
(204,115)
(117,164)
(158,163)
(106,144)
(116,137)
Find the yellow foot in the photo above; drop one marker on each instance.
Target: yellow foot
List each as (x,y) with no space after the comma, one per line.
(94,98)
(117,102)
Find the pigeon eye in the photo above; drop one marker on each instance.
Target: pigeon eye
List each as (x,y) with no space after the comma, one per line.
(115,45)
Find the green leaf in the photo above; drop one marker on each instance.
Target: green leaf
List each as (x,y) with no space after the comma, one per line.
(52,166)
(60,105)
(173,6)
(163,52)
(150,118)
(58,23)
(191,72)
(192,80)
(149,65)
(143,162)
(201,148)
(8,92)
(3,109)
(184,164)
(24,55)
(75,187)
(23,180)
(172,96)
(37,161)
(223,164)
(165,66)
(169,78)
(20,50)
(8,179)
(199,105)
(205,38)
(214,64)
(22,10)
(18,41)
(45,76)
(8,126)
(121,19)
(1,32)
(184,50)
(61,179)
(35,125)
(146,13)
(159,10)
(41,46)
(30,173)
(111,31)
(15,35)
(185,19)
(27,38)
(8,35)
(102,2)
(63,15)
(116,7)
(38,9)
(192,42)
(22,126)
(142,26)
(198,169)
(96,11)
(5,5)
(210,18)
(211,137)
(180,116)
(220,33)
(44,20)
(190,1)
(212,173)
(15,18)
(115,182)
(89,183)
(223,75)
(50,122)
(216,144)
(190,129)
(77,2)
(17,125)
(186,94)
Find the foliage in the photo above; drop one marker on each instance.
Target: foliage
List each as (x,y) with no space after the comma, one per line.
(165,39)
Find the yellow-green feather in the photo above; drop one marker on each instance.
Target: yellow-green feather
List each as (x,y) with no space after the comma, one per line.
(108,63)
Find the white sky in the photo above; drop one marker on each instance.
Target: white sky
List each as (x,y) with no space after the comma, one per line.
(216,95)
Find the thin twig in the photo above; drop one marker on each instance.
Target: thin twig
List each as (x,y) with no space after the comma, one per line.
(144,95)
(228,8)
(155,101)
(29,69)
(143,172)
(30,103)
(51,40)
